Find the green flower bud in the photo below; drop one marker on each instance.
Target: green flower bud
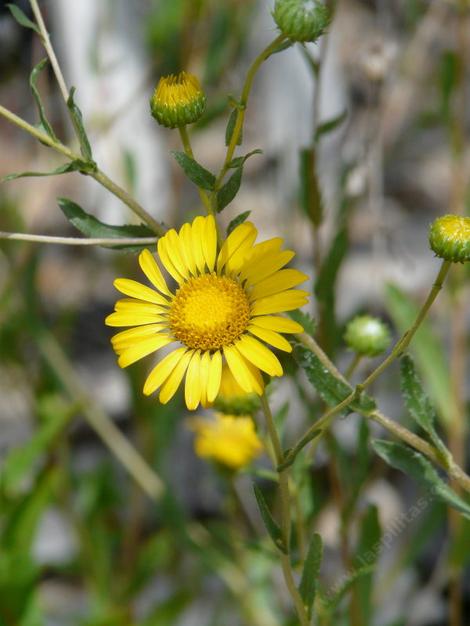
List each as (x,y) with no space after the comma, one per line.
(449,238)
(301,20)
(367,335)
(178,100)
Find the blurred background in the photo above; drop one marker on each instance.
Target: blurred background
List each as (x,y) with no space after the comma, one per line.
(80,542)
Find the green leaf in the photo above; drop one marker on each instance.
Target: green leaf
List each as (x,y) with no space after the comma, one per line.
(77,120)
(92,227)
(330,125)
(271,526)
(367,553)
(239,161)
(20,460)
(310,193)
(305,320)
(418,403)
(42,113)
(282,46)
(237,221)
(427,349)
(72,166)
(22,19)
(332,600)
(195,172)
(417,466)
(231,127)
(332,389)
(229,190)
(311,571)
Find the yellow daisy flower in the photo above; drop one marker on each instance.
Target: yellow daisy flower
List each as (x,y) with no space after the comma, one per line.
(228,439)
(224,309)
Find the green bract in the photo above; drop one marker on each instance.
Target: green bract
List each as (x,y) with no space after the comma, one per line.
(367,335)
(178,100)
(449,238)
(301,20)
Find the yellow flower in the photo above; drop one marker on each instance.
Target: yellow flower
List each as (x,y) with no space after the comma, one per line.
(222,310)
(232,399)
(178,100)
(228,439)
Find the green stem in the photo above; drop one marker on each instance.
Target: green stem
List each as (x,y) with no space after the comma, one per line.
(243,103)
(99,176)
(353,365)
(285,514)
(189,151)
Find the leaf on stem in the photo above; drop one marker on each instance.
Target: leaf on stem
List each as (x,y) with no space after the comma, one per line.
(332,600)
(416,465)
(232,120)
(228,192)
(239,161)
(196,173)
(33,78)
(330,125)
(272,527)
(77,118)
(72,166)
(305,320)
(22,19)
(367,553)
(237,221)
(310,573)
(310,193)
(92,227)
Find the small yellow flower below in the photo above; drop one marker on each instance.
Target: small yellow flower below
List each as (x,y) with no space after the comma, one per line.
(227,439)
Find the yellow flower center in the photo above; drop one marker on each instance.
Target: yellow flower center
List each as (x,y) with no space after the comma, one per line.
(455,227)
(209,312)
(177,90)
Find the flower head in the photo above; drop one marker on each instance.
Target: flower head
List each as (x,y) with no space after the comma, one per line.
(227,439)
(449,238)
(178,100)
(301,20)
(367,335)
(224,309)
(232,399)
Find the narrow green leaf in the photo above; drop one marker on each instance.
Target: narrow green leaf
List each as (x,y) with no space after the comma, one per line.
(92,227)
(22,19)
(77,119)
(72,166)
(311,571)
(417,466)
(310,194)
(237,221)
(229,190)
(195,172)
(427,349)
(330,125)
(305,320)
(332,600)
(367,553)
(239,161)
(332,390)
(271,526)
(231,127)
(418,403)
(33,79)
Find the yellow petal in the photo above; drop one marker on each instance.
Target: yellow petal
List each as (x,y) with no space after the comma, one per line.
(192,388)
(215,374)
(280,281)
(240,370)
(278,324)
(284,301)
(266,265)
(141,292)
(187,247)
(119,319)
(198,227)
(271,337)
(260,250)
(165,257)
(258,354)
(173,381)
(162,370)
(152,271)
(233,242)
(143,348)
(173,247)
(204,372)
(128,337)
(131,305)
(209,242)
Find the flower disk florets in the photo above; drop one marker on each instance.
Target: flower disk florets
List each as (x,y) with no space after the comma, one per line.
(301,20)
(449,238)
(178,100)
(367,335)
(209,312)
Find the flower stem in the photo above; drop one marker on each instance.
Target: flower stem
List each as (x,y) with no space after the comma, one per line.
(79,241)
(285,513)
